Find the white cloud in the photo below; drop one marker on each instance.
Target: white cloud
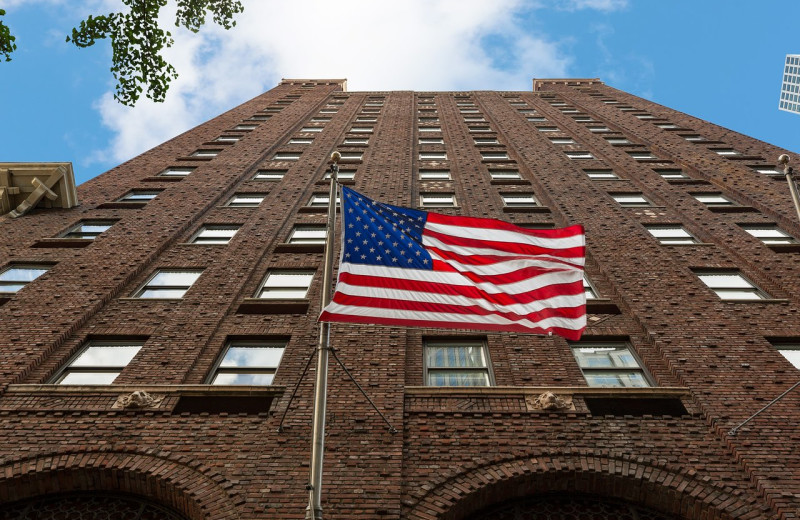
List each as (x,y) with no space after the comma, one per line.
(389,45)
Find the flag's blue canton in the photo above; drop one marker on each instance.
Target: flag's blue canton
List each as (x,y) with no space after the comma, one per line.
(380,234)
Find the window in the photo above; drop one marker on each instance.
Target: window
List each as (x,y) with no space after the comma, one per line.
(630,200)
(671,235)
(479,129)
(344,175)
(206,153)
(352,156)
(430,129)
(319,200)
(214,234)
(494,156)
(588,289)
(569,111)
(599,129)
(766,170)
(88,229)
(438,200)
(248,363)
(457,363)
(497,175)
(579,155)
(607,364)
(259,117)
(537,119)
(666,126)
(693,137)
(434,175)
(730,285)
(166,284)
(176,172)
(246,200)
(672,174)
(791,351)
(16,276)
(98,363)
(725,151)
(601,174)
(228,138)
(269,175)
(485,140)
(311,129)
(432,156)
(713,199)
(474,119)
(642,156)
(320,119)
(431,140)
(355,141)
(469,110)
(246,128)
(562,140)
(139,196)
(617,140)
(769,234)
(519,200)
(644,116)
(285,285)
(363,119)
(308,234)
(362,129)
(286,156)
(300,140)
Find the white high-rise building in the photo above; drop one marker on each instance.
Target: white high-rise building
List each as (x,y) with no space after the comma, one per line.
(790,89)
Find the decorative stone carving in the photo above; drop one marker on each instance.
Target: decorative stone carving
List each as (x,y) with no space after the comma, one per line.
(549,401)
(138,399)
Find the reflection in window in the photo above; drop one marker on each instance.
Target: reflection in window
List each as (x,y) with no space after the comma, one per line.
(249,363)
(88,229)
(99,363)
(286,284)
(457,363)
(609,364)
(15,277)
(168,284)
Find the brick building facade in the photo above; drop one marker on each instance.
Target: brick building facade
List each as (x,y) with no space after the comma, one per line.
(199,262)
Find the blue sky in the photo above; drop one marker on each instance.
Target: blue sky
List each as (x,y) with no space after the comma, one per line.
(720,60)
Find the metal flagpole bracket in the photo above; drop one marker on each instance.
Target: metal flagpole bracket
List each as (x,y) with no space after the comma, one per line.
(783,161)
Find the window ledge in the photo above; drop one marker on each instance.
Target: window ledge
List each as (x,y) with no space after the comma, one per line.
(526,209)
(194,158)
(134,299)
(509,182)
(122,205)
(261,306)
(666,392)
(689,245)
(174,178)
(62,242)
(687,181)
(785,248)
(167,398)
(601,306)
(300,248)
(198,245)
(731,209)
(759,300)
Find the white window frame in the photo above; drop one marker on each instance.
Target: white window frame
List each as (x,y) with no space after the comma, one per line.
(601,174)
(307,234)
(625,366)
(483,369)
(732,288)
(75,231)
(155,287)
(261,375)
(626,200)
(497,174)
(279,286)
(769,234)
(437,200)
(435,175)
(671,234)
(9,280)
(237,200)
(206,234)
(269,175)
(107,371)
(175,171)
(519,200)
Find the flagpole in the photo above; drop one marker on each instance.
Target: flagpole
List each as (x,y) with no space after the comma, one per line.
(314,509)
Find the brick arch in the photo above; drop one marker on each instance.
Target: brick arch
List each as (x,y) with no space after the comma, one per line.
(186,487)
(654,484)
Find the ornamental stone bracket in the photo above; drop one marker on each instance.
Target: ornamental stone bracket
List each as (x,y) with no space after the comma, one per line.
(548,401)
(138,399)
(24,186)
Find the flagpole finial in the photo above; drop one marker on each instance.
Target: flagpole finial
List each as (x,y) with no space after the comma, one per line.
(336,157)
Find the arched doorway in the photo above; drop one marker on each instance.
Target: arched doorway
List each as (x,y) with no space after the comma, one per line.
(568,507)
(87,506)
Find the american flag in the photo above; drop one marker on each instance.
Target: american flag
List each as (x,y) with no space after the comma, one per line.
(406,267)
